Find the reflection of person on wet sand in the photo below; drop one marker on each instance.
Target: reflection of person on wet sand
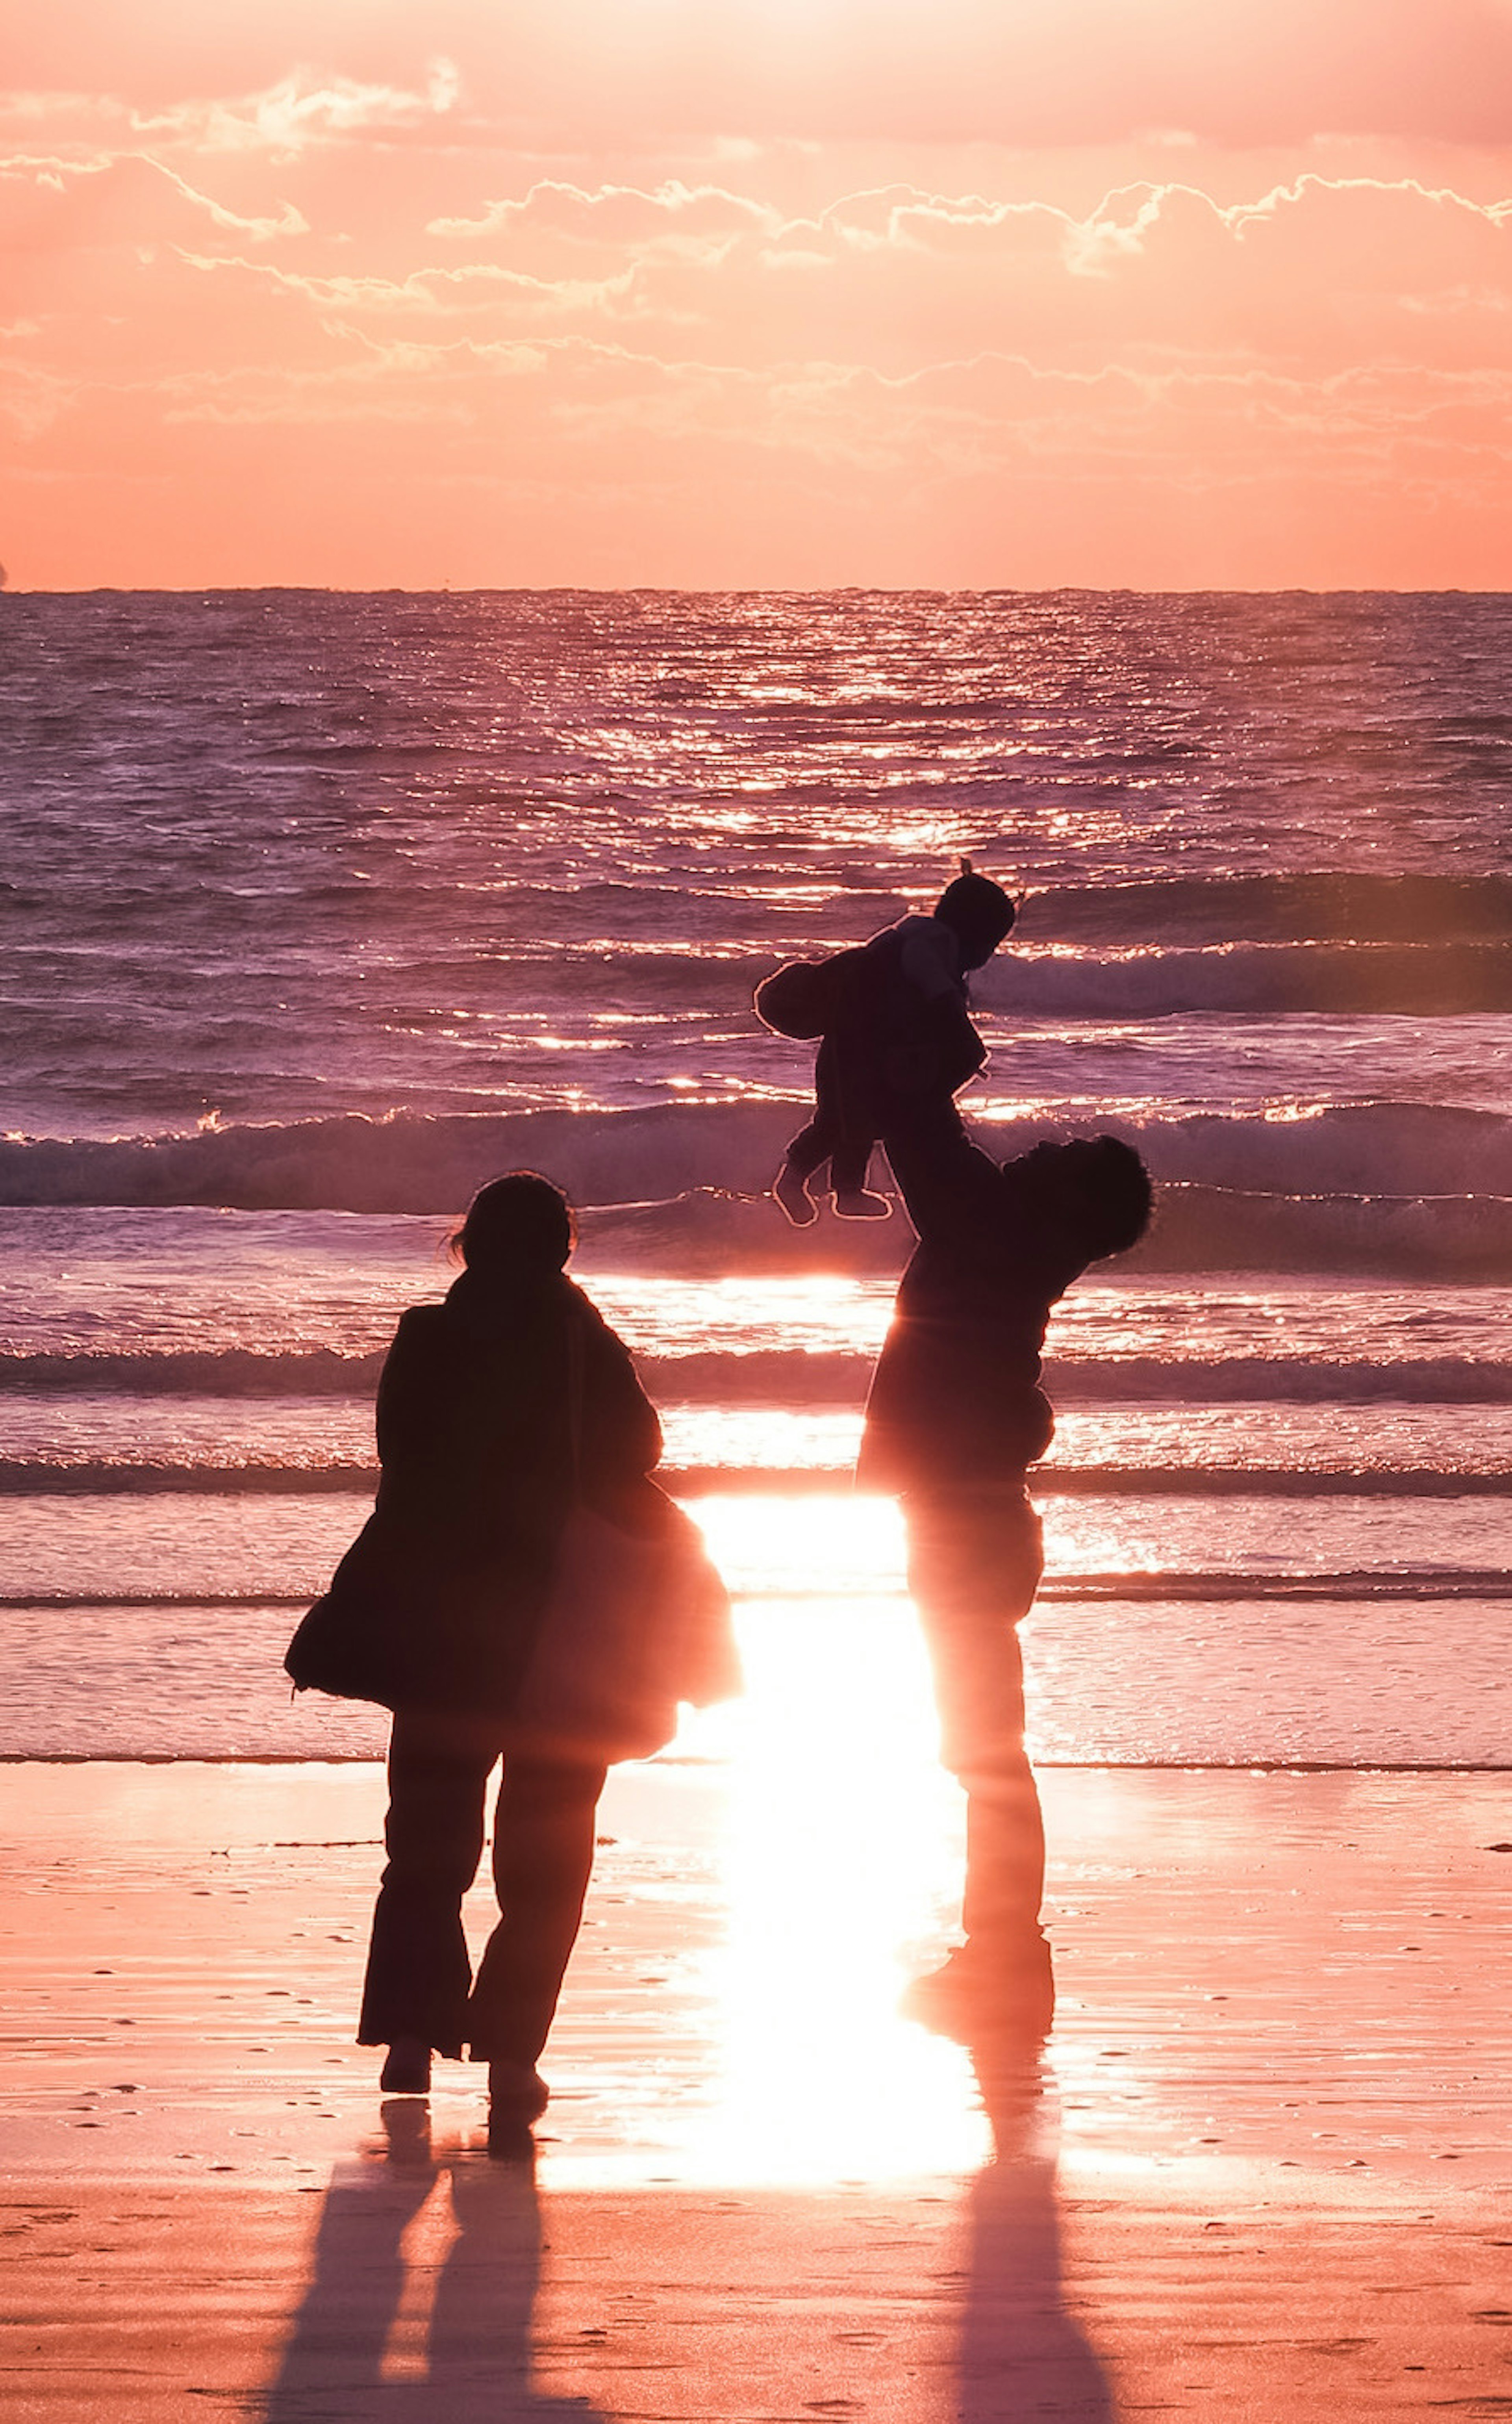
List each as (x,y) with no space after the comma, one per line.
(955,1418)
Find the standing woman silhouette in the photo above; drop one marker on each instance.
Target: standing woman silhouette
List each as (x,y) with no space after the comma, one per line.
(497,1409)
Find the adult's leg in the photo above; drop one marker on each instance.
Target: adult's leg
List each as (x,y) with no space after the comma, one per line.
(543,1856)
(974,1565)
(418,1971)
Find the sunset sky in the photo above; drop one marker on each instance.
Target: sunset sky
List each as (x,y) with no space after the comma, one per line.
(749,293)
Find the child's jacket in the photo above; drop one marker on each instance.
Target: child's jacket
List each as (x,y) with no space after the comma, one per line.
(895,1006)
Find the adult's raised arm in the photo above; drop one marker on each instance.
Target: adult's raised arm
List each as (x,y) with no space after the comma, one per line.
(952,1190)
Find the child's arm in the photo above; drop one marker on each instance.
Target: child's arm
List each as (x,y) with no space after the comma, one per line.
(960,1048)
(930,967)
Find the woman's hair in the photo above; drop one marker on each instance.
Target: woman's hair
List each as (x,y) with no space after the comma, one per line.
(519,1222)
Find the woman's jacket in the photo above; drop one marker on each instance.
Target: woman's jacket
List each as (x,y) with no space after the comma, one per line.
(438,1601)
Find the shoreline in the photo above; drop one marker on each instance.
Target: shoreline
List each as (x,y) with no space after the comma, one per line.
(1445,1768)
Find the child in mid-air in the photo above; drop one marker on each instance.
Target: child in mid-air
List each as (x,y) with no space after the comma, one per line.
(896,1040)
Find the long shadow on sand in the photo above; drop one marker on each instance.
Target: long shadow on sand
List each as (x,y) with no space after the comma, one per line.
(1021,2354)
(362,2350)
(474,2362)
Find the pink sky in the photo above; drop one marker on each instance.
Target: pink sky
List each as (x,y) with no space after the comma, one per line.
(714,294)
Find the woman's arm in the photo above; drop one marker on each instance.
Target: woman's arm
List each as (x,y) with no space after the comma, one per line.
(621,1430)
(406,1412)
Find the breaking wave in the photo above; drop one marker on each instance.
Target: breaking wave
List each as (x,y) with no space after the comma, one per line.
(1308,908)
(1421,979)
(1418,1189)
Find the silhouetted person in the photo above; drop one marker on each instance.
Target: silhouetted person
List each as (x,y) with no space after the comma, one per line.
(954,1419)
(896,1040)
(476,1439)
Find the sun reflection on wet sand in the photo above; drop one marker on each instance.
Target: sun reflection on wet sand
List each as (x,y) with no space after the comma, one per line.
(837,1858)
(840,1839)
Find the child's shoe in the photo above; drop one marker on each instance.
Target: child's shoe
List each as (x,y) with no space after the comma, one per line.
(859,1204)
(791,1188)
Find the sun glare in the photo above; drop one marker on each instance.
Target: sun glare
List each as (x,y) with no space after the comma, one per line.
(842,1859)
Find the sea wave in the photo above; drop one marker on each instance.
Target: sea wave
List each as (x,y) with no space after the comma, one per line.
(1449,1239)
(1347,908)
(1175,1585)
(1419,1190)
(775,1376)
(119,1480)
(1263,979)
(408,1161)
(202,1372)
(1361,1226)
(103,1477)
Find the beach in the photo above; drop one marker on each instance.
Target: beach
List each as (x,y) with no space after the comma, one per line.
(1264,2170)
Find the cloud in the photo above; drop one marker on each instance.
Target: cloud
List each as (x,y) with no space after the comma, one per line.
(287,221)
(293,278)
(302,109)
(615,213)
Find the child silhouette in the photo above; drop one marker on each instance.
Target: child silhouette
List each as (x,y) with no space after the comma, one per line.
(895,1039)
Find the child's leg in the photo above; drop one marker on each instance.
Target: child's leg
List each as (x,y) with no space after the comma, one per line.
(809,1149)
(850,1161)
(790,1190)
(816,1142)
(854,1199)
(812,1145)
(854,1093)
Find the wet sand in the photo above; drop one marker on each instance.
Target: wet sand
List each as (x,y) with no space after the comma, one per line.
(1264,2172)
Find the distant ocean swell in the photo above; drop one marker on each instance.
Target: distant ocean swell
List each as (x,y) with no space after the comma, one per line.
(665,906)
(1426,980)
(1303,908)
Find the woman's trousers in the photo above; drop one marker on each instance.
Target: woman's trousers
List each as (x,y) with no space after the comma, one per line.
(420,1982)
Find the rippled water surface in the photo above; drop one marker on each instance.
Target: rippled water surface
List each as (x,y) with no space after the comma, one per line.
(316,909)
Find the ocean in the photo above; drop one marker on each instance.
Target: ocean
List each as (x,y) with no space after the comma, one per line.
(316,910)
